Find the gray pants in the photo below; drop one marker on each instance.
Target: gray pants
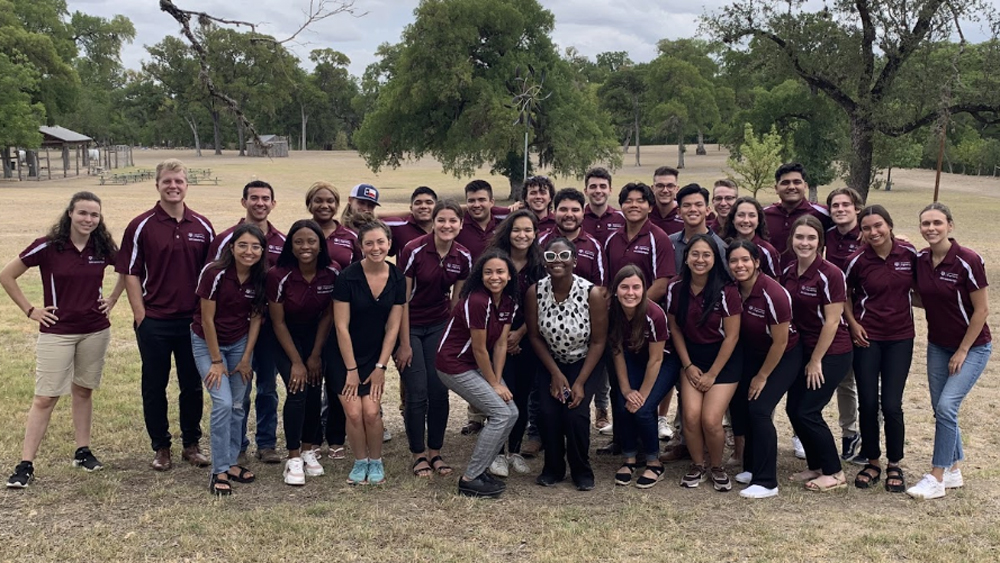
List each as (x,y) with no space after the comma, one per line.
(847,405)
(500,416)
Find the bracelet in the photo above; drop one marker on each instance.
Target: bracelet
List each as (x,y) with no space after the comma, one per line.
(216,361)
(352,369)
(30,311)
(687,366)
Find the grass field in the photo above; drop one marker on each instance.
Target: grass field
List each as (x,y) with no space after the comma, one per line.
(130,512)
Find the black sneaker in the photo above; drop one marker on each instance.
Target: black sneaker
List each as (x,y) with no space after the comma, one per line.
(851,447)
(585,483)
(85,459)
(23,474)
(478,487)
(490,478)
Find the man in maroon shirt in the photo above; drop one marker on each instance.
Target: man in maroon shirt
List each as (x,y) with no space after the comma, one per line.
(259,201)
(599,218)
(481,218)
(641,243)
(162,252)
(724,195)
(414,224)
(664,214)
(569,204)
(792,186)
(538,196)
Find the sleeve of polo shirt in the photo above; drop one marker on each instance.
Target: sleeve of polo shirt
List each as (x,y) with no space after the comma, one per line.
(131,259)
(671,298)
(476,310)
(400,281)
(779,306)
(658,329)
(734,303)
(466,264)
(976,278)
(665,266)
(836,287)
(208,283)
(33,254)
(403,261)
(601,276)
(342,289)
(274,276)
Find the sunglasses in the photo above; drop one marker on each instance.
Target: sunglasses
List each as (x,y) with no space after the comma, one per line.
(561,256)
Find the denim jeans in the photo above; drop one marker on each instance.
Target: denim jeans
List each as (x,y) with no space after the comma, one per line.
(227,401)
(641,425)
(266,375)
(500,416)
(947,393)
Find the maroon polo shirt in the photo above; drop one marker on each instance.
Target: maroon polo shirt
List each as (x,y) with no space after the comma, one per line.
(769,262)
(233,304)
(72,282)
(821,284)
(475,238)
(779,225)
(304,302)
(475,312)
(767,305)
(167,256)
(343,246)
(589,256)
(711,331)
(275,242)
(656,330)
(651,251)
(404,229)
(880,290)
(671,223)
(945,292)
(601,227)
(433,277)
(547,223)
(840,247)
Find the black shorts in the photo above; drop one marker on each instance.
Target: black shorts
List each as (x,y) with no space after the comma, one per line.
(703,356)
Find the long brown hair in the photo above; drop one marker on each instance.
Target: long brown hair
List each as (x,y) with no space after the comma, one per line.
(617,320)
(104,243)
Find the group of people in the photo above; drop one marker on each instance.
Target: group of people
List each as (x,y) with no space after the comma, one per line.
(528,313)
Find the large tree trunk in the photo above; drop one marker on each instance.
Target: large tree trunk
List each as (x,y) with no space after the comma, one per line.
(194,131)
(240,135)
(862,149)
(628,141)
(305,121)
(8,171)
(217,132)
(516,189)
(680,148)
(700,151)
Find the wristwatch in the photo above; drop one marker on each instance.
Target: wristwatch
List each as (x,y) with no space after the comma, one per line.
(381,366)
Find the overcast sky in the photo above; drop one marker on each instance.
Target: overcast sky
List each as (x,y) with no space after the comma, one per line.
(592,26)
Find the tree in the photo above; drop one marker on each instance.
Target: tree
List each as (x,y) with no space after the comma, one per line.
(682,99)
(623,96)
(447,95)
(756,160)
(861,54)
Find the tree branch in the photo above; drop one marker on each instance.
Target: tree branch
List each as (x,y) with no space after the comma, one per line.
(867,46)
(979,112)
(908,44)
(812,79)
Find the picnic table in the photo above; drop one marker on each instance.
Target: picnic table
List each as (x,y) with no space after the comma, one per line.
(127,177)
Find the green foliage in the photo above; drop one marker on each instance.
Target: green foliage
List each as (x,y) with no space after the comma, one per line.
(445,92)
(754,165)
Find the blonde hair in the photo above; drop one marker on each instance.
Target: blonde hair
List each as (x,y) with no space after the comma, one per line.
(316,187)
(171,165)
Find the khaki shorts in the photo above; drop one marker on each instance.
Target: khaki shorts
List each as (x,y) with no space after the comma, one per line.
(62,359)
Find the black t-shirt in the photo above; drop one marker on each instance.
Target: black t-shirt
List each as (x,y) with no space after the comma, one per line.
(368,314)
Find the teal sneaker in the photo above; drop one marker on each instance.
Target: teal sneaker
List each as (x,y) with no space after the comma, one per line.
(359,473)
(376,472)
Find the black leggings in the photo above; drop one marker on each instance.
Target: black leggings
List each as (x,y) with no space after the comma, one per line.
(519,374)
(300,415)
(754,419)
(805,410)
(886,362)
(427,405)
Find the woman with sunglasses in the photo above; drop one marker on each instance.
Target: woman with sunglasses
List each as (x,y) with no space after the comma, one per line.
(566,317)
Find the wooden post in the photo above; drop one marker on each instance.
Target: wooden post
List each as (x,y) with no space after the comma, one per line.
(77,160)
(940,160)
(65,159)
(48,163)
(17,152)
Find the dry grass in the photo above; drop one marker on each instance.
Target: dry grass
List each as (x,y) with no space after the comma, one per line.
(131,513)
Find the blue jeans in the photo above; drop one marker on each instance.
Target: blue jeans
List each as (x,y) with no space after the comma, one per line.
(266,373)
(641,425)
(227,402)
(947,393)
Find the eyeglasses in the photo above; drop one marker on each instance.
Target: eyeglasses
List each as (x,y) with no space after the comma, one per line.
(661,186)
(244,246)
(724,198)
(561,256)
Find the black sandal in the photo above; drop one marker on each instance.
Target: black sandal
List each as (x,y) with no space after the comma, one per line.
(220,487)
(895,473)
(644,482)
(865,479)
(423,471)
(624,475)
(244,475)
(439,466)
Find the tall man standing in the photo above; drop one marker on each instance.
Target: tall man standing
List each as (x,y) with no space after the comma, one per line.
(259,201)
(416,223)
(599,218)
(664,214)
(724,194)
(539,192)
(162,252)
(792,185)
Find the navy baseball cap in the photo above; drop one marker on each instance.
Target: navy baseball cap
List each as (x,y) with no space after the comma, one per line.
(366,192)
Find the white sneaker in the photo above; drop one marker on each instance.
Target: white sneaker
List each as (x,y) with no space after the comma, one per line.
(386,435)
(313,468)
(953,479)
(499,466)
(608,430)
(744,477)
(664,429)
(757,491)
(293,472)
(800,452)
(518,463)
(928,488)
